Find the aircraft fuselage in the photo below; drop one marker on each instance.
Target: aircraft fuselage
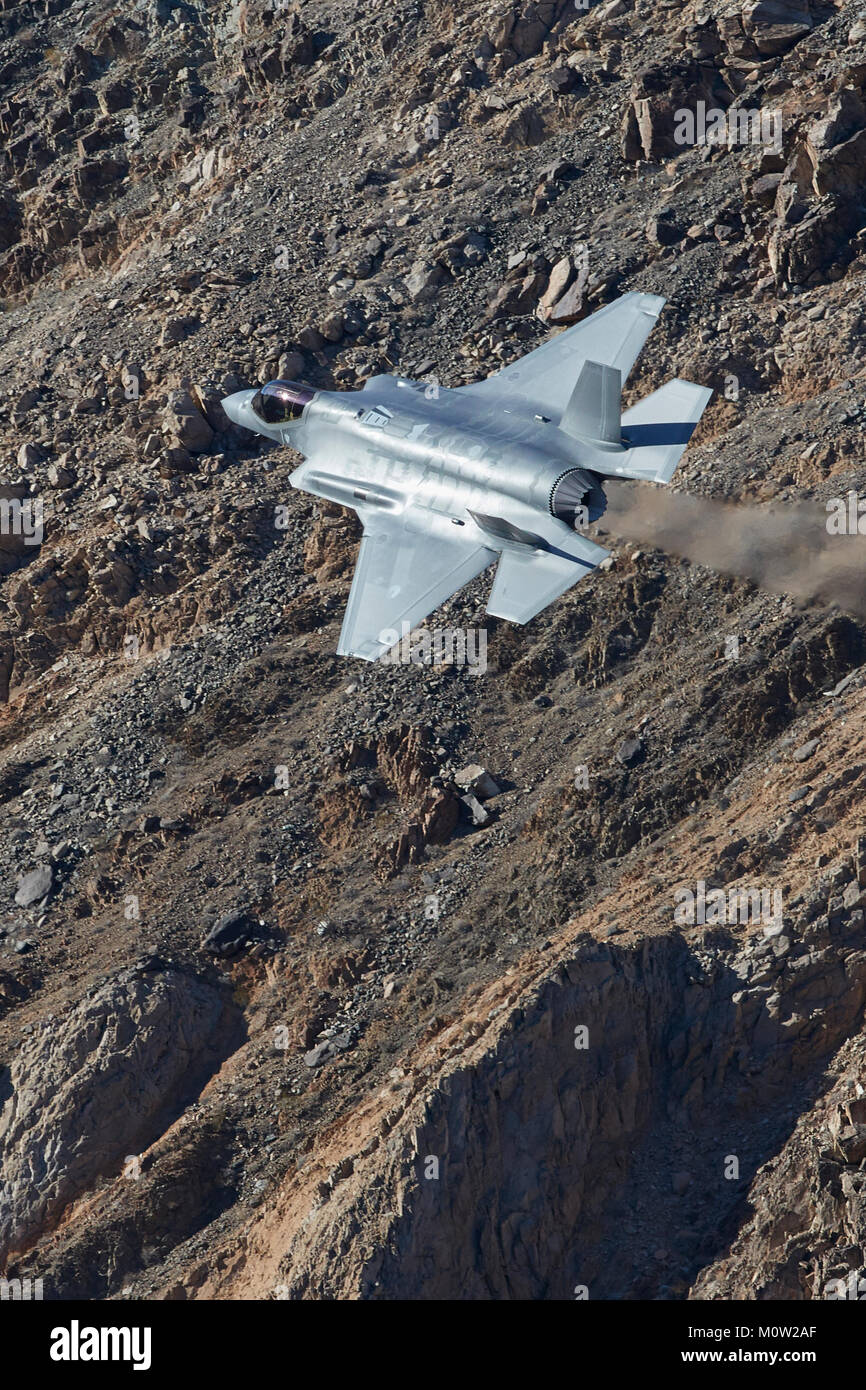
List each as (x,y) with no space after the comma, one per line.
(399,443)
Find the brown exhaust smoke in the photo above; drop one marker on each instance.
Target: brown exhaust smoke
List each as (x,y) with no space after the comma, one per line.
(787,550)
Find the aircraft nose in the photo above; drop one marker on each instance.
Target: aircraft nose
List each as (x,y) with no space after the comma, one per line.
(235,406)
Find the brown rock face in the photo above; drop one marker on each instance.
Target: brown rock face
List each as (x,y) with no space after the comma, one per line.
(82,1097)
(774,26)
(439,817)
(657,95)
(592,1112)
(322,978)
(184,422)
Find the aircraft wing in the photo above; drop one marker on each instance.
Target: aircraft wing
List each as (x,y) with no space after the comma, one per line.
(402,575)
(612,337)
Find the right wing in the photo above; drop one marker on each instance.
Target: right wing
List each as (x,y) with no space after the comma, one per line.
(402,575)
(613,337)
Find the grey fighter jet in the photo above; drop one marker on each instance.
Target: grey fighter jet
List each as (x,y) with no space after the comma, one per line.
(445,481)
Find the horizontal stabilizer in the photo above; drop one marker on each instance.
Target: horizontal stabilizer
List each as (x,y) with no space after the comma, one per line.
(657,430)
(527,581)
(593,411)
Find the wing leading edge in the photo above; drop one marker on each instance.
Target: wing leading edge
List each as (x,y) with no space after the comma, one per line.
(403,573)
(612,337)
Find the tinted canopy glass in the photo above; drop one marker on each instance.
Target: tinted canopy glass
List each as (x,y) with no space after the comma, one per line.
(280,402)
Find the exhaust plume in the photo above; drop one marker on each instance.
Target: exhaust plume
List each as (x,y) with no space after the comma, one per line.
(786,550)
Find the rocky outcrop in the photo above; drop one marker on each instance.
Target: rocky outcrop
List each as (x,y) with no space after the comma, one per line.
(84,1092)
(804,1238)
(498,1166)
(651,128)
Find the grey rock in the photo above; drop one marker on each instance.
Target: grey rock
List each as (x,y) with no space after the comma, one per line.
(630,752)
(477,780)
(845,682)
(230,934)
(423,279)
(319,1054)
(476,811)
(34,886)
(29,455)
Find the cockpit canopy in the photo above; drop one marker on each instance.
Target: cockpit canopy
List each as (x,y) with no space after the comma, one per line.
(281,402)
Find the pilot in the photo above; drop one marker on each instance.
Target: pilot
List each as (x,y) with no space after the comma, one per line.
(281,402)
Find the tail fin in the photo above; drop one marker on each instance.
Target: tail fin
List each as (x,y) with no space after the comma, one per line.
(594,406)
(656,431)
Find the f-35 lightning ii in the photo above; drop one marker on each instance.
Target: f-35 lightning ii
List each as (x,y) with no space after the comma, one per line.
(446,481)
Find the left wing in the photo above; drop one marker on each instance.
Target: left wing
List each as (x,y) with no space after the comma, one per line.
(402,575)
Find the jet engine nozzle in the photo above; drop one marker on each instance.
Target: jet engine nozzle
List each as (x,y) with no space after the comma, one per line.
(577,498)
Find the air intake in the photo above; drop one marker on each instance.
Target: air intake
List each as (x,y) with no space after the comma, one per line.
(577,498)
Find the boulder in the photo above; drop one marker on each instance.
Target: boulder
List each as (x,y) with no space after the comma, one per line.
(560,277)
(836,146)
(474,810)
(774,26)
(291,366)
(631,752)
(662,229)
(516,297)
(424,279)
(333,328)
(524,126)
(230,934)
(208,400)
(570,306)
(34,886)
(184,422)
(650,126)
(476,779)
(817,246)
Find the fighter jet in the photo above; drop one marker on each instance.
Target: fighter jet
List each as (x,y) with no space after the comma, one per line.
(447,481)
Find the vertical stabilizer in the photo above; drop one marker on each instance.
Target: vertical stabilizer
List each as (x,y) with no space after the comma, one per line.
(593,410)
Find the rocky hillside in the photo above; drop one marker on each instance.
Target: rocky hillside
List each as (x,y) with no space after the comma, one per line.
(327,980)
